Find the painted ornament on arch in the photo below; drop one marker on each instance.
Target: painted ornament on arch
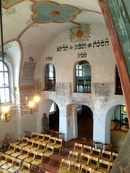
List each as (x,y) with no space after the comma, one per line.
(7,46)
(80,33)
(9,3)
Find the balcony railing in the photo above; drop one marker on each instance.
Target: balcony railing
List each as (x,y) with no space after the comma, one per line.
(49,83)
(83,84)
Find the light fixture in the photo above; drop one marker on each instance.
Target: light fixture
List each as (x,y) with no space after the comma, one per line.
(36,98)
(124,109)
(23,106)
(5,117)
(5,108)
(34,102)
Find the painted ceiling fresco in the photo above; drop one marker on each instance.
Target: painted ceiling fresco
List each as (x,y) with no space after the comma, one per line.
(9,3)
(53,12)
(47,11)
(32,24)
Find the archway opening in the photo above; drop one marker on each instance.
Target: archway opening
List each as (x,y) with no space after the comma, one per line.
(119,119)
(117,125)
(54,117)
(85,122)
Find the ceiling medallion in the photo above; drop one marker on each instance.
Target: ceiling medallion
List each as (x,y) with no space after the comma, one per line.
(80,33)
(55,13)
(48,11)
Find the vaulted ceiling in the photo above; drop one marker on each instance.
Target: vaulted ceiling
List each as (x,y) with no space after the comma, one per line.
(34,23)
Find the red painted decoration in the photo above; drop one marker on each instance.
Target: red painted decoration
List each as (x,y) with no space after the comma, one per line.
(55,13)
(79,33)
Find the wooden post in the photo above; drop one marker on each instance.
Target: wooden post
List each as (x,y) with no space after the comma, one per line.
(119,58)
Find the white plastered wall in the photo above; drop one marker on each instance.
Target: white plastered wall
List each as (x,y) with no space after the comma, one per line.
(102,97)
(102,70)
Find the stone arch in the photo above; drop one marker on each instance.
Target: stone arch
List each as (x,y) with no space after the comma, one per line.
(108,118)
(72,120)
(14,58)
(44,107)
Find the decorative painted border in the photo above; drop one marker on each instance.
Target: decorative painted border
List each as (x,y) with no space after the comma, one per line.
(6,4)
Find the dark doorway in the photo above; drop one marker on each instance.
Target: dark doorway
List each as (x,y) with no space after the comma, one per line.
(85,122)
(54,119)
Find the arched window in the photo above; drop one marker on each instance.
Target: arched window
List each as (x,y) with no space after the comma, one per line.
(83,77)
(4,83)
(50,77)
(118,89)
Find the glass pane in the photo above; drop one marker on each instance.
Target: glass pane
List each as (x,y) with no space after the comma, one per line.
(6,79)
(76,73)
(50,70)
(4,95)
(5,68)
(80,73)
(50,74)
(1,79)
(1,66)
(80,66)
(4,92)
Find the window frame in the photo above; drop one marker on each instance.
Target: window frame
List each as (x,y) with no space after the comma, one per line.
(50,77)
(82,81)
(3,86)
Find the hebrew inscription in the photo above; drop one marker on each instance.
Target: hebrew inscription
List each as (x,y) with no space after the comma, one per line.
(28,72)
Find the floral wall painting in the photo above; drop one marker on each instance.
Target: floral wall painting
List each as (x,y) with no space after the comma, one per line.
(80,33)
